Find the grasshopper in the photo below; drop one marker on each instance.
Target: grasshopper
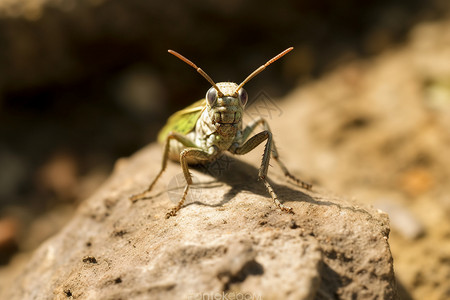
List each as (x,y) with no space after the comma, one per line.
(199,133)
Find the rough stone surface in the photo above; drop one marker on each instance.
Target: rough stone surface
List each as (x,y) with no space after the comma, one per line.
(228,239)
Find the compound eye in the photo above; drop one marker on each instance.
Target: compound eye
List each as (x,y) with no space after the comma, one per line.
(243,96)
(211,96)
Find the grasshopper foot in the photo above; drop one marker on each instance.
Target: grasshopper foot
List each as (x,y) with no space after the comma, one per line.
(287,209)
(284,208)
(136,197)
(172,212)
(275,197)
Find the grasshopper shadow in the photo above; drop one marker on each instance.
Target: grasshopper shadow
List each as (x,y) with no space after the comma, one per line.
(243,177)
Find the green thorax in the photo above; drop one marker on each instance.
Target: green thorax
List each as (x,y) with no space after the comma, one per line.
(183,121)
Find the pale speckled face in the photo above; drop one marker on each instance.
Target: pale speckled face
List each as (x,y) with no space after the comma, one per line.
(229,108)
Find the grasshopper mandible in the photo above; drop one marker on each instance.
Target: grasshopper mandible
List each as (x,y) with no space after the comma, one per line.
(199,133)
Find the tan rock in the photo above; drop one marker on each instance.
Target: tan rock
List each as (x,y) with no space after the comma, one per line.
(228,240)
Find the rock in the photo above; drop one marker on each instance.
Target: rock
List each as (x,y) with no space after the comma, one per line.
(227,241)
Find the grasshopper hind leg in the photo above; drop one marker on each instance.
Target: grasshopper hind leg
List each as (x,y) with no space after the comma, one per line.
(173,211)
(142,195)
(275,155)
(301,183)
(173,135)
(270,150)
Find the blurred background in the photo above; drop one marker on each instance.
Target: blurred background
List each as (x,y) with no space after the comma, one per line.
(85,82)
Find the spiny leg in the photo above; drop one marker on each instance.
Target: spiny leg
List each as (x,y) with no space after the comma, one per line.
(251,144)
(246,133)
(173,135)
(198,154)
(286,172)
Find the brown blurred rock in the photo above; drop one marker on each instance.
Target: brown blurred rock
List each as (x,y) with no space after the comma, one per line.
(230,240)
(9,233)
(379,129)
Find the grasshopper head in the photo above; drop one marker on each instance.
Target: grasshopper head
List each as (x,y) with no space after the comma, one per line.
(226,105)
(226,100)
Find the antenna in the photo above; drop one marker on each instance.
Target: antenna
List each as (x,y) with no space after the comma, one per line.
(260,69)
(203,73)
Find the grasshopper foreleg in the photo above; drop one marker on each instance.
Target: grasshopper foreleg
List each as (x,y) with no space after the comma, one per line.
(173,135)
(187,153)
(251,144)
(250,128)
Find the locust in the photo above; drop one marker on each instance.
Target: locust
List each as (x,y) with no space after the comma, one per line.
(201,132)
